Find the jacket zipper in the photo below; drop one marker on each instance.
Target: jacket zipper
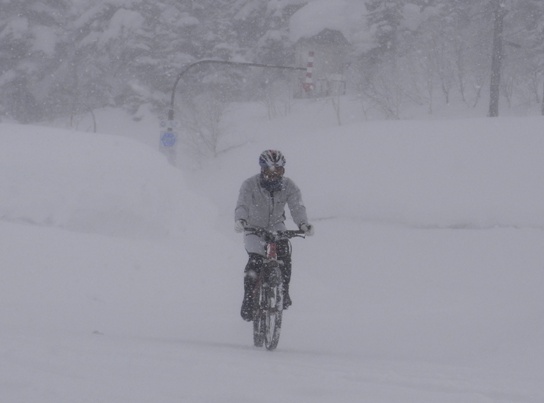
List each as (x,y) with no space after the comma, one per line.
(271,213)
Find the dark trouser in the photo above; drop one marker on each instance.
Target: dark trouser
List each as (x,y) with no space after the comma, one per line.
(255,263)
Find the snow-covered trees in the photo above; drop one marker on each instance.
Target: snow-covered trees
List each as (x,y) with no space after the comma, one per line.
(524,50)
(32,39)
(456,48)
(60,57)
(385,20)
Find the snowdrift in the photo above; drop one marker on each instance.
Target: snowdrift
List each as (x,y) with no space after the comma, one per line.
(92,183)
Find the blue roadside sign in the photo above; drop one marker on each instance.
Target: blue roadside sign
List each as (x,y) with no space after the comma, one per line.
(168,139)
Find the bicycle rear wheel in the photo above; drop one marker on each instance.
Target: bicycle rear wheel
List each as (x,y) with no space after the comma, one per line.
(272,317)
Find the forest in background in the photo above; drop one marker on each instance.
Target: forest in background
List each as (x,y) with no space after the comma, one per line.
(61,58)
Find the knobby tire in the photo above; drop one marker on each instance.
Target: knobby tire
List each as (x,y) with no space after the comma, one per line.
(268,317)
(258,319)
(273,317)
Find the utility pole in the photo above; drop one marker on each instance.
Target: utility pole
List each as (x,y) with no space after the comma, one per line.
(499,12)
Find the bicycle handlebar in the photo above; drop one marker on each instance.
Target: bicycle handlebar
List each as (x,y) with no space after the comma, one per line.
(273,236)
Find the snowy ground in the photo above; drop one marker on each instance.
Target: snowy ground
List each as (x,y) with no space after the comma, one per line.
(122,276)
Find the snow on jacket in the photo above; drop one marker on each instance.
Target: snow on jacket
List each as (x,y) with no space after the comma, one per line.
(259,207)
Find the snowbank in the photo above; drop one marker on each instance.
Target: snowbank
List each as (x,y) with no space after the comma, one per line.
(92,183)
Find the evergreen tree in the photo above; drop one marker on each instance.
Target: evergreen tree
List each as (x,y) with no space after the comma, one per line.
(385,19)
(127,50)
(32,36)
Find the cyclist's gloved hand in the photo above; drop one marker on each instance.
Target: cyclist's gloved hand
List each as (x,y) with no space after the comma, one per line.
(239,225)
(307,228)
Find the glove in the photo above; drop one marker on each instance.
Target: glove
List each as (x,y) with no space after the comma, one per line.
(307,228)
(239,225)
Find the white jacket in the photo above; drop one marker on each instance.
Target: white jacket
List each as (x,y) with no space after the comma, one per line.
(261,208)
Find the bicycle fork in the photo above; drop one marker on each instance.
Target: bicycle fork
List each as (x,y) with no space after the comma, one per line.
(269,282)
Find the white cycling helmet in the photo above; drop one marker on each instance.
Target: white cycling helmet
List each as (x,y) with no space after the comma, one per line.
(271,159)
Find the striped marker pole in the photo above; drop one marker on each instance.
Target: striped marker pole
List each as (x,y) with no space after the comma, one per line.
(308,84)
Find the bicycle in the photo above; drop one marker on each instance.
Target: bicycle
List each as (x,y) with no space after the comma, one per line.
(268,291)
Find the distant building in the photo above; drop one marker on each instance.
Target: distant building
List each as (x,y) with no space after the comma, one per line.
(331,50)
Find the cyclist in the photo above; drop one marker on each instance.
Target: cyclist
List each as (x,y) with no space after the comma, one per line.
(261,203)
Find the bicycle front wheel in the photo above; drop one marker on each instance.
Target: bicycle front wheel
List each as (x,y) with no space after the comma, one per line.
(258,330)
(258,319)
(273,317)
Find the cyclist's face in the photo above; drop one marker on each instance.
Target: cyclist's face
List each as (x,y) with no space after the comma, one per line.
(273,173)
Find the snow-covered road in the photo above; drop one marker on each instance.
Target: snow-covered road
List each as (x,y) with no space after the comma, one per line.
(121,278)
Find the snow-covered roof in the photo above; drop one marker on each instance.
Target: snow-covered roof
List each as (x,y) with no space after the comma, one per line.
(345,16)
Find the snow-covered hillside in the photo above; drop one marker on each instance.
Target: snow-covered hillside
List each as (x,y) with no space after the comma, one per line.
(122,276)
